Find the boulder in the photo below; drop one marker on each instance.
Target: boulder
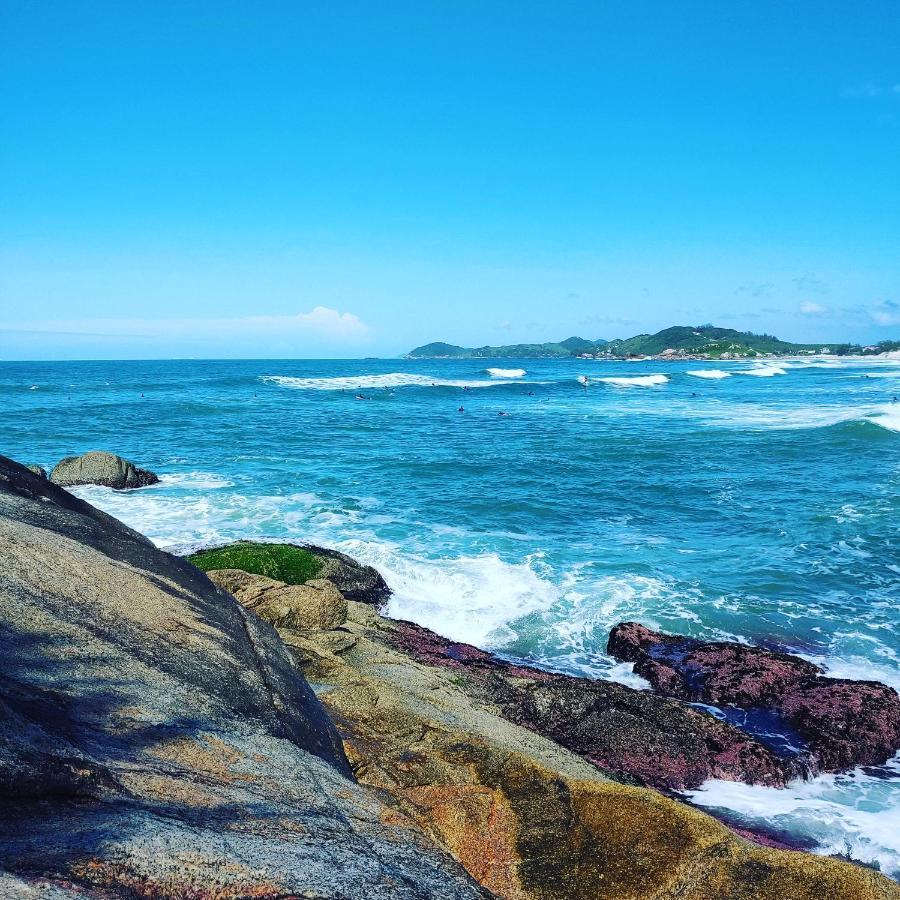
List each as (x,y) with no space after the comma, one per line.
(316,605)
(38,470)
(99,467)
(157,740)
(354,580)
(838,723)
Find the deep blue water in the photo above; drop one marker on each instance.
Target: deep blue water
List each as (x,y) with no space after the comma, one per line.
(763,506)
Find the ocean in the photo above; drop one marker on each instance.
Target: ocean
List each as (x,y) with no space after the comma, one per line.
(528,506)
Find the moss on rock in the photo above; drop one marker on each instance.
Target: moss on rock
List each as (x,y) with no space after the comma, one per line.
(281,562)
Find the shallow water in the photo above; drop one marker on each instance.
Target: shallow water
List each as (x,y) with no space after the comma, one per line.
(756,502)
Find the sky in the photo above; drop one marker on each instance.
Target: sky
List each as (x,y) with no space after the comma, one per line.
(288,179)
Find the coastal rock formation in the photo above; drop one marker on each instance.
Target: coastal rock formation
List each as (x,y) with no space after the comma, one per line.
(316,605)
(156,739)
(839,723)
(297,564)
(633,735)
(38,470)
(527,818)
(354,580)
(99,467)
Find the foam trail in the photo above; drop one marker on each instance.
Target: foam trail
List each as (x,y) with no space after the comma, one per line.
(887,416)
(767,371)
(391,380)
(710,373)
(506,373)
(856,814)
(467,598)
(638,381)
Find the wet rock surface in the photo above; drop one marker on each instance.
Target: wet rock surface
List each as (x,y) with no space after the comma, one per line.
(634,735)
(832,723)
(429,723)
(100,467)
(157,740)
(356,581)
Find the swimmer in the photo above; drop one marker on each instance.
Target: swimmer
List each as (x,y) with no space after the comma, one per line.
(461,409)
(361,397)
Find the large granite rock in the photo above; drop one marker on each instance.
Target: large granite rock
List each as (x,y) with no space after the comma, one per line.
(99,467)
(315,605)
(353,579)
(832,723)
(156,739)
(529,819)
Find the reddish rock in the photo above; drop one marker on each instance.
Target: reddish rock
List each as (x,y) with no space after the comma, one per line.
(633,735)
(840,723)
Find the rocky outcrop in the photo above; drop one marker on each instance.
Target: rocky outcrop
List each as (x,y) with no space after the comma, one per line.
(316,605)
(157,740)
(38,470)
(831,723)
(99,467)
(633,735)
(354,580)
(529,819)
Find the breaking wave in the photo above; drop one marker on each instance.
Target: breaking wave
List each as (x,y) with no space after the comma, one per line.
(506,373)
(637,381)
(710,373)
(390,380)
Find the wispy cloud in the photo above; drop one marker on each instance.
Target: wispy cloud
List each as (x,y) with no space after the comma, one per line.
(808,283)
(755,290)
(886,313)
(870,91)
(808,308)
(321,323)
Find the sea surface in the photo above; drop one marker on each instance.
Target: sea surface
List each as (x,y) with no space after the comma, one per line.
(528,506)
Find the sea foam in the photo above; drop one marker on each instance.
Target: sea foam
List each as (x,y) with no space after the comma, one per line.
(636,381)
(709,373)
(506,373)
(856,814)
(370,382)
(765,371)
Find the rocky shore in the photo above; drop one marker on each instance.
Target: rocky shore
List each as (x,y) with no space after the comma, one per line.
(167,733)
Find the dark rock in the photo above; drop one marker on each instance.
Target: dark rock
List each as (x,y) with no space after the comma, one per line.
(634,735)
(354,580)
(840,723)
(156,739)
(99,467)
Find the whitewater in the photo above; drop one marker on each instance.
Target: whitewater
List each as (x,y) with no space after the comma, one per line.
(529,506)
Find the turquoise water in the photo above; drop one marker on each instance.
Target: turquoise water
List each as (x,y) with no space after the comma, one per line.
(726,500)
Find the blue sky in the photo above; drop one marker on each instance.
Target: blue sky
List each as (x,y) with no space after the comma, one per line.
(354,179)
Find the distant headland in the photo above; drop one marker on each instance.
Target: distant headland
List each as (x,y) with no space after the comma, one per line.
(677,342)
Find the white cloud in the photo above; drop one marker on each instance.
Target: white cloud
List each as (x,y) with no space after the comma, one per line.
(321,323)
(886,313)
(808,308)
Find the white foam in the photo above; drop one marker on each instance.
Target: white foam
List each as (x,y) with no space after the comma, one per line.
(170,517)
(710,373)
(637,381)
(506,373)
(390,380)
(887,416)
(856,814)
(202,480)
(764,371)
(582,379)
(466,598)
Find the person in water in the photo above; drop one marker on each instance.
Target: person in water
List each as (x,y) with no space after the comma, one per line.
(461,409)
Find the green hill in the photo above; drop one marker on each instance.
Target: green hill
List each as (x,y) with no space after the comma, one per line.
(510,351)
(706,339)
(693,340)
